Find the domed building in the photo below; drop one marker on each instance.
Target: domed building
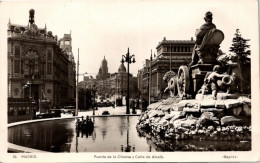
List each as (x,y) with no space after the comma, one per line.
(118,82)
(122,68)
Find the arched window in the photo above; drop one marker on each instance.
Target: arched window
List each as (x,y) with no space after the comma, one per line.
(32,62)
(17,59)
(49,61)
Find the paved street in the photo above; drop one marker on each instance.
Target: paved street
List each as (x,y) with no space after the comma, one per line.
(120,110)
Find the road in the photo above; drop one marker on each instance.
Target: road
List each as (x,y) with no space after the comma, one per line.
(119,110)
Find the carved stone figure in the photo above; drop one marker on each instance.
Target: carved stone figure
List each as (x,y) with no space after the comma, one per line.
(170,78)
(208,39)
(214,82)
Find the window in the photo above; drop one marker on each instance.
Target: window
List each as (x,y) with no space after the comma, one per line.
(15,111)
(11,111)
(19,111)
(22,65)
(17,52)
(27,110)
(67,42)
(49,64)
(17,66)
(49,68)
(49,55)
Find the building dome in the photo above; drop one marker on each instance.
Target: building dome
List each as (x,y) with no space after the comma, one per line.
(122,68)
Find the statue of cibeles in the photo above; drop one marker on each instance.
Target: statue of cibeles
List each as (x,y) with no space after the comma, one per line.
(207,41)
(170,78)
(215,81)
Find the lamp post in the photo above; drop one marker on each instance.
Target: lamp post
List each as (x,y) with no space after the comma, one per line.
(85,90)
(94,89)
(129,59)
(77,91)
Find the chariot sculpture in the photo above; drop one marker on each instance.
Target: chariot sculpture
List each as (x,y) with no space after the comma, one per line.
(189,79)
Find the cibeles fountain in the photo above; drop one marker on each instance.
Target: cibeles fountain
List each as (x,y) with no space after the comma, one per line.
(207,98)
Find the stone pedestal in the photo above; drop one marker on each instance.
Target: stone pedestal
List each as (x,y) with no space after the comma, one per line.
(220,96)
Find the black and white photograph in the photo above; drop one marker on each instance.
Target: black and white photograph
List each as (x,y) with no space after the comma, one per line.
(129,81)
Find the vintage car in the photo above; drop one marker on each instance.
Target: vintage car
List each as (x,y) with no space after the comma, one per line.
(55,112)
(43,115)
(105,112)
(67,110)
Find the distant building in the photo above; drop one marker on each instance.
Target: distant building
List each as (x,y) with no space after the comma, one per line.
(38,66)
(143,79)
(119,81)
(171,54)
(111,85)
(103,70)
(66,45)
(119,85)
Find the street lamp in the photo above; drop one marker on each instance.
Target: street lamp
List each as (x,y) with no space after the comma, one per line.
(77,90)
(28,83)
(129,59)
(94,89)
(85,89)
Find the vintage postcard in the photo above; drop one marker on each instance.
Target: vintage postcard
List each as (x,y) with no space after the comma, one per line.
(129,81)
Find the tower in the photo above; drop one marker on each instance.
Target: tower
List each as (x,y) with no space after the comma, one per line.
(66,44)
(104,66)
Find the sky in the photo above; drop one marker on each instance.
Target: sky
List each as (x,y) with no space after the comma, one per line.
(108,27)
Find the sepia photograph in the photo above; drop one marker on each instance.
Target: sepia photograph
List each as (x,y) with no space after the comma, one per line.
(129,81)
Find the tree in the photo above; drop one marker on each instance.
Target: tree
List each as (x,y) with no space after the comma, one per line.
(241,48)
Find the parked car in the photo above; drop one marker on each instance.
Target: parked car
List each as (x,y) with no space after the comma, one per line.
(43,115)
(101,104)
(68,110)
(55,112)
(109,103)
(105,112)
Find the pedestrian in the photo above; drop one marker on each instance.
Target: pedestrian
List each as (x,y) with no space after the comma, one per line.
(144,105)
(137,104)
(133,106)
(130,103)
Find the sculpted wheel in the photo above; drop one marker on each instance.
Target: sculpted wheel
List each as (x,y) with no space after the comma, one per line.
(183,81)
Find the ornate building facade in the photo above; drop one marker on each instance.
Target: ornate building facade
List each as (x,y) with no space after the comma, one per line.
(171,54)
(118,83)
(66,46)
(39,66)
